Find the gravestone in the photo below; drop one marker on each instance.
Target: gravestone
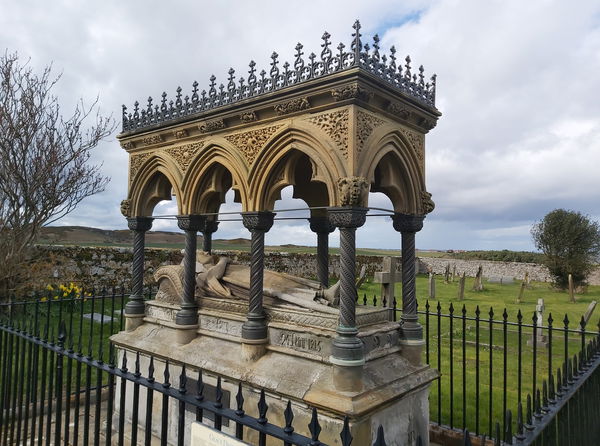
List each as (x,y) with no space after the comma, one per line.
(431,285)
(453,272)
(387,278)
(521,292)
(502,280)
(98,317)
(571,288)
(461,287)
(478,283)
(541,340)
(447,273)
(588,313)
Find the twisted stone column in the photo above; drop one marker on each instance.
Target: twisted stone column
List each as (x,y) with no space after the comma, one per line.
(139,225)
(322,227)
(408,225)
(188,314)
(347,348)
(254,330)
(210,226)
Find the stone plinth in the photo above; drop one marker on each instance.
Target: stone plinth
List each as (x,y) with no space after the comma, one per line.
(387,390)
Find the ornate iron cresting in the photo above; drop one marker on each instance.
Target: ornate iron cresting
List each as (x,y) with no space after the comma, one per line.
(347,348)
(255,327)
(322,227)
(408,225)
(191,224)
(139,225)
(331,60)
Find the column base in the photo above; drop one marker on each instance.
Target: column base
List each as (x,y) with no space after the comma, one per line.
(412,350)
(253,352)
(254,330)
(186,333)
(348,378)
(347,349)
(135,305)
(187,317)
(133,321)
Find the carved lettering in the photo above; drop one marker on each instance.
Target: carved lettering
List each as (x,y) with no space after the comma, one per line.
(293,340)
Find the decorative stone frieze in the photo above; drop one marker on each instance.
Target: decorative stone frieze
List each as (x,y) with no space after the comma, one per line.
(179,134)
(417,142)
(211,126)
(248,117)
(251,142)
(154,139)
(292,106)
(352,91)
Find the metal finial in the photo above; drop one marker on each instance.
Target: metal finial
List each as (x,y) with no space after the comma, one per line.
(314,427)
(326,53)
(288,415)
(421,76)
(356,43)
(376,47)
(274,68)
(163,102)
(299,62)
(195,96)
(346,435)
(239,399)
(263,407)
(407,72)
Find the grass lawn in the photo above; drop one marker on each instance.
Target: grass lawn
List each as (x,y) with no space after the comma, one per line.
(509,378)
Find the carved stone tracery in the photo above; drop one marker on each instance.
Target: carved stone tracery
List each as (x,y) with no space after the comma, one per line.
(335,125)
(135,162)
(365,124)
(417,142)
(250,143)
(184,154)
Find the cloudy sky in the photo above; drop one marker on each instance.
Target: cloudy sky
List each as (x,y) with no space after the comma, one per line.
(518,86)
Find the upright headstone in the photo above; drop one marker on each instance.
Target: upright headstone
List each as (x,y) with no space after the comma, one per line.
(453,272)
(541,340)
(588,313)
(447,273)
(387,278)
(478,283)
(571,288)
(521,292)
(461,287)
(431,285)
(527,280)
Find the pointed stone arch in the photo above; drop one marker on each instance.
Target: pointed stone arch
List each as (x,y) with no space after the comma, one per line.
(392,166)
(156,178)
(296,156)
(210,175)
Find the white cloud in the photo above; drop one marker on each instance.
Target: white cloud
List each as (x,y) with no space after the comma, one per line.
(517,85)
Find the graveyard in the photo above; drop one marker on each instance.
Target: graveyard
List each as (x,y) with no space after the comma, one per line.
(209,336)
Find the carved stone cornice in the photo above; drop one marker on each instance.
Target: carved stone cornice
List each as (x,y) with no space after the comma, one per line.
(179,134)
(152,139)
(335,125)
(354,191)
(365,124)
(211,126)
(128,145)
(190,222)
(407,222)
(347,217)
(399,110)
(352,91)
(250,143)
(139,224)
(249,116)
(258,221)
(292,106)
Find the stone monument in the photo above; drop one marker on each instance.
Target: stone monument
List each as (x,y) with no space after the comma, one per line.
(538,334)
(334,127)
(387,279)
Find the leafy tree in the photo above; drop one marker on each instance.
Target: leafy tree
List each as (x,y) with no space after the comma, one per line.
(570,242)
(44,168)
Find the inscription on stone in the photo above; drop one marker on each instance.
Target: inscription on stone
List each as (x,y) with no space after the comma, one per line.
(206,436)
(224,326)
(292,340)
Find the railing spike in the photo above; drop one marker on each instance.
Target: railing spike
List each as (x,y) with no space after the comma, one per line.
(263,407)
(288,415)
(239,399)
(315,428)
(380,441)
(346,435)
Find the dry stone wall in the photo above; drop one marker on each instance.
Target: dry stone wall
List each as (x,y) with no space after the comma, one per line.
(105,267)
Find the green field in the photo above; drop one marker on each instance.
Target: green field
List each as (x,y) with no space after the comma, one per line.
(450,339)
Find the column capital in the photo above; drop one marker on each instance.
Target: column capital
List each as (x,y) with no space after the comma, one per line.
(407,222)
(141,224)
(190,222)
(210,226)
(258,221)
(347,216)
(321,225)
